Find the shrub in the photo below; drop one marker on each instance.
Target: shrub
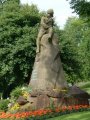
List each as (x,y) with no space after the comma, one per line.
(4,105)
(20,91)
(16,93)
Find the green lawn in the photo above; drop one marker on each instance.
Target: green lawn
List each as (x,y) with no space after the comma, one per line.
(85,86)
(74,116)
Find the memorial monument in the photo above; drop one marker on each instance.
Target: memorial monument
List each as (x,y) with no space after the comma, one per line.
(47,80)
(47,71)
(48,87)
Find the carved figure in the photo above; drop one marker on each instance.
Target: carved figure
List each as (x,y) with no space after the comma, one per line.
(46,27)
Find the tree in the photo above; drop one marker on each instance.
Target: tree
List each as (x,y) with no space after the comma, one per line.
(69,50)
(18,32)
(76,35)
(81,7)
(69,54)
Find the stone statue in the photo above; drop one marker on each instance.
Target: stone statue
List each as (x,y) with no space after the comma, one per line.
(47,79)
(47,71)
(46,27)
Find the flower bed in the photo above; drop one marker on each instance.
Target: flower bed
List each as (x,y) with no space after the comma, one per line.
(43,114)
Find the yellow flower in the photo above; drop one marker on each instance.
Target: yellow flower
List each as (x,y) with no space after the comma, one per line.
(60,90)
(25,94)
(15,107)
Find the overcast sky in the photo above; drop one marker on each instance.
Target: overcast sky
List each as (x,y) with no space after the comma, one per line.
(61,9)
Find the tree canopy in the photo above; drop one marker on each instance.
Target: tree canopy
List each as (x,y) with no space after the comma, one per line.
(81,7)
(76,33)
(18,31)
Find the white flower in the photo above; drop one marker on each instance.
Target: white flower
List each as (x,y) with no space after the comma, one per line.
(9,105)
(23,88)
(8,98)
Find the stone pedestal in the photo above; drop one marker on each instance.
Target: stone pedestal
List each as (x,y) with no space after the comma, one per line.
(42,99)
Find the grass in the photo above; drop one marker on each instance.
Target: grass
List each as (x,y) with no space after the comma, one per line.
(85,86)
(74,116)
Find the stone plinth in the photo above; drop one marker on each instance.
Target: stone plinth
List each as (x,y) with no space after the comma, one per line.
(41,99)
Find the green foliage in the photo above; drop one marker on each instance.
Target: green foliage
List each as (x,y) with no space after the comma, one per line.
(76,50)
(15,93)
(18,1)
(4,105)
(69,54)
(80,29)
(19,91)
(85,86)
(81,7)
(18,32)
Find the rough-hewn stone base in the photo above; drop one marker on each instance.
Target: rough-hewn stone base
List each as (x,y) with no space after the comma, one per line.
(41,99)
(50,98)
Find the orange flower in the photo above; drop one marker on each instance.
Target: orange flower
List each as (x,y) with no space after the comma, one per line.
(70,108)
(57,109)
(64,108)
(40,112)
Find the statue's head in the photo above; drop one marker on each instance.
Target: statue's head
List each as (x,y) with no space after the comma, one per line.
(50,12)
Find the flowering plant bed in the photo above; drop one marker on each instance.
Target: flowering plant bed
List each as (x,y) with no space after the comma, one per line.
(43,114)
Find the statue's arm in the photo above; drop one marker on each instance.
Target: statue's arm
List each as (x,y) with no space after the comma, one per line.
(43,24)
